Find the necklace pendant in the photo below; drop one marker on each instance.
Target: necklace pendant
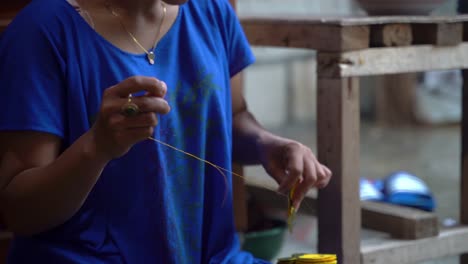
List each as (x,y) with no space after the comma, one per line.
(151,57)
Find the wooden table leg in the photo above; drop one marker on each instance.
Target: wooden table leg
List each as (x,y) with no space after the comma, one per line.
(240,199)
(339,212)
(464,160)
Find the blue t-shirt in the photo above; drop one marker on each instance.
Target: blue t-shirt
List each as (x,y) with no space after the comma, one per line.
(153,205)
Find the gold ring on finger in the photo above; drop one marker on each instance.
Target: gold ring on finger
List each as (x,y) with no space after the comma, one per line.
(130,108)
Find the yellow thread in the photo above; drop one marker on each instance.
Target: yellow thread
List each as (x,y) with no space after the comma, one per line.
(200,159)
(291,208)
(220,169)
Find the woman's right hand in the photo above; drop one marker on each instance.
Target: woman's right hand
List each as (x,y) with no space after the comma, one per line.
(114,133)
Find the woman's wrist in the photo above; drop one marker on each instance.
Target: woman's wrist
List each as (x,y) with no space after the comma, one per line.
(262,139)
(91,150)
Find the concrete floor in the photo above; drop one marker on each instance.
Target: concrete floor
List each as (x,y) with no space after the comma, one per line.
(430,153)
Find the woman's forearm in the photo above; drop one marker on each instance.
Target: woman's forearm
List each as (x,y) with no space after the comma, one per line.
(247,133)
(41,198)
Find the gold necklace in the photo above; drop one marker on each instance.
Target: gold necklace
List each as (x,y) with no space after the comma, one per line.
(150,55)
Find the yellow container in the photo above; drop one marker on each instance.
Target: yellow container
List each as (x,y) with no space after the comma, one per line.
(309,258)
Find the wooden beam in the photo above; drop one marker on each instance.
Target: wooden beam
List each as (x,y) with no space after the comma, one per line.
(443,34)
(379,61)
(300,34)
(240,200)
(450,242)
(401,222)
(464,160)
(391,35)
(339,217)
(346,21)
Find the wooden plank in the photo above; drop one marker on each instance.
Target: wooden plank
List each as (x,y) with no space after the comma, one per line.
(339,217)
(353,20)
(443,34)
(450,242)
(401,222)
(391,35)
(240,199)
(464,160)
(305,35)
(379,61)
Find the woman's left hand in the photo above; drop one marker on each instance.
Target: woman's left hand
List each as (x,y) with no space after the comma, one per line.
(290,162)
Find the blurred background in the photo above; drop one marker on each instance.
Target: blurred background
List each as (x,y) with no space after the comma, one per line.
(409,122)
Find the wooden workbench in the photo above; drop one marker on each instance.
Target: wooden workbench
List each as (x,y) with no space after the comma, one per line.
(349,48)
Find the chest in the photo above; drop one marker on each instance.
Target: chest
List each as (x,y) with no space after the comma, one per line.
(191,62)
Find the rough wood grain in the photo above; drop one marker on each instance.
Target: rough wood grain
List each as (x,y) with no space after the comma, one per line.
(443,34)
(339,217)
(353,20)
(391,35)
(240,200)
(450,242)
(400,222)
(379,61)
(305,35)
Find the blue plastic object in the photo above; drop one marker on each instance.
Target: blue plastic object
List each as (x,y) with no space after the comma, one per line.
(404,188)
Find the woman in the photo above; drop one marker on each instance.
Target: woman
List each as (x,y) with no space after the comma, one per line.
(87,88)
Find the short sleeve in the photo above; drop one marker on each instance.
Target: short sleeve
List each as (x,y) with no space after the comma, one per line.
(238,48)
(31,77)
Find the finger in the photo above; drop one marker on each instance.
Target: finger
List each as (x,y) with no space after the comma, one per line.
(324,179)
(293,169)
(120,122)
(151,104)
(163,89)
(145,104)
(329,172)
(321,174)
(136,84)
(310,178)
